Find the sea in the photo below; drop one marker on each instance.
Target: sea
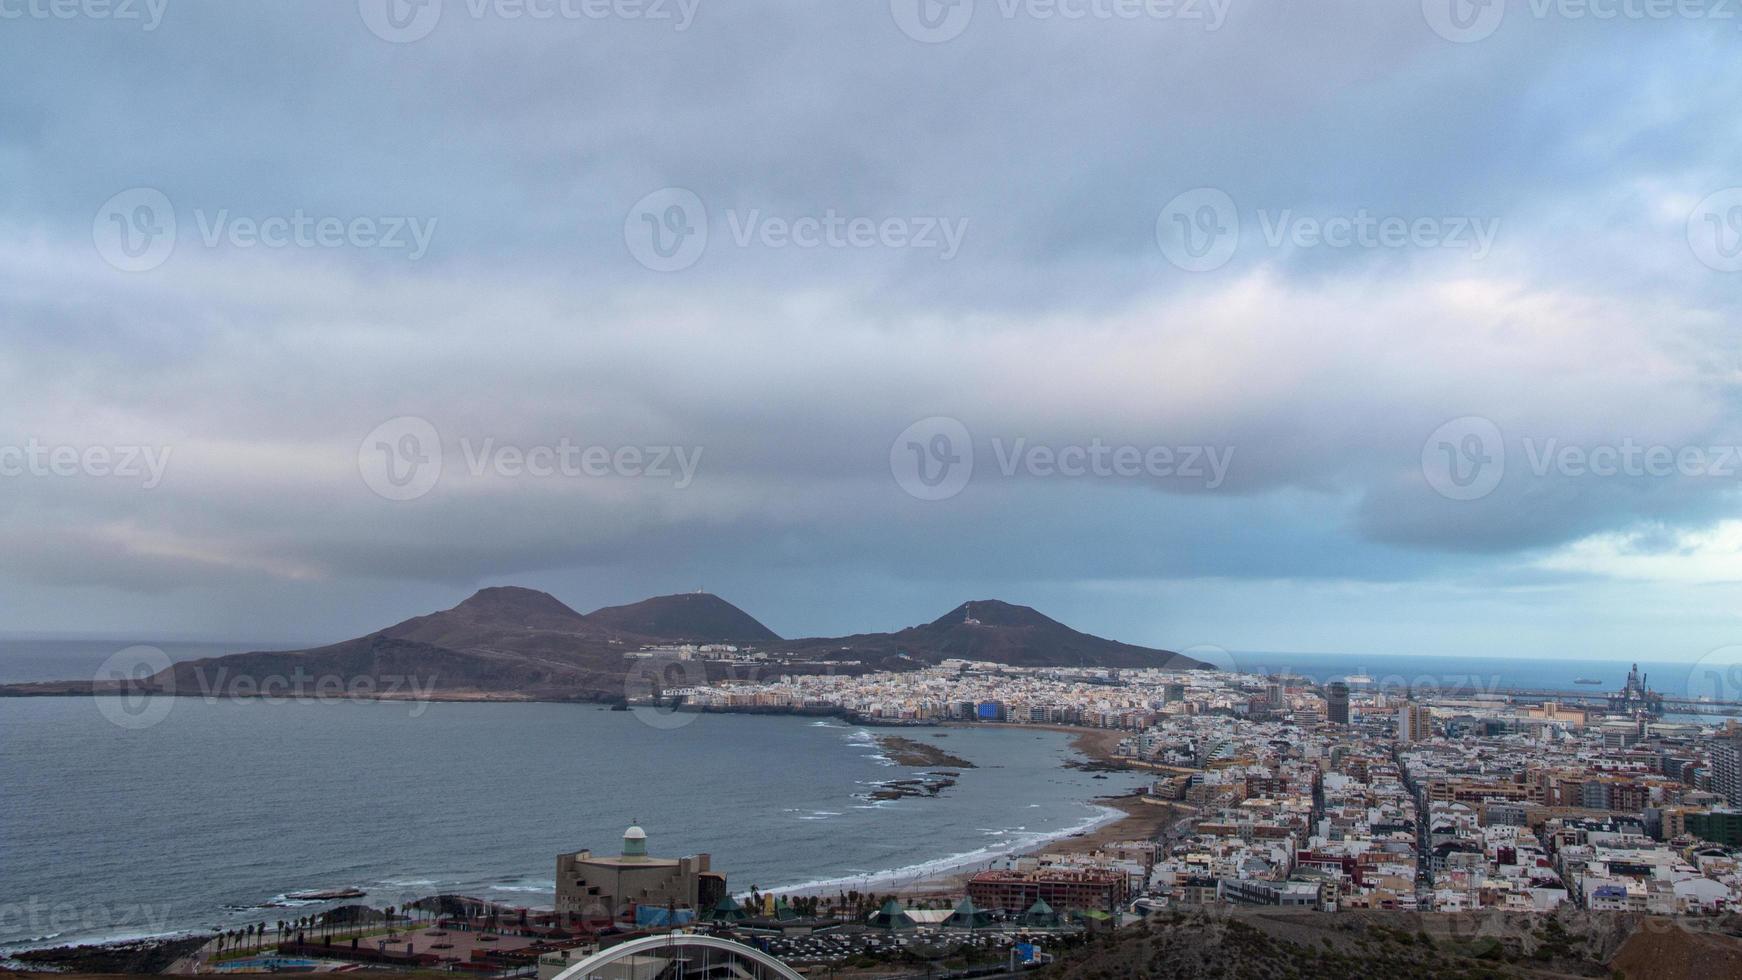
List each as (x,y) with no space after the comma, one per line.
(218,812)
(1485,673)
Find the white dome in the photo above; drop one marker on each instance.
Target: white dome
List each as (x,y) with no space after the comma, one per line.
(635,833)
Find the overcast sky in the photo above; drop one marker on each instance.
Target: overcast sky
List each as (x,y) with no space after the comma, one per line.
(1373,327)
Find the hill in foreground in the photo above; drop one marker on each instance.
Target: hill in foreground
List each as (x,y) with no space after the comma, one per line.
(1307,945)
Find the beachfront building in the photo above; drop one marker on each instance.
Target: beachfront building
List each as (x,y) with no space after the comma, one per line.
(592,887)
(1059,888)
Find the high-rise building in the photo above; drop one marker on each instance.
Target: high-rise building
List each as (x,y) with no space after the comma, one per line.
(1337,702)
(1727,769)
(1414,723)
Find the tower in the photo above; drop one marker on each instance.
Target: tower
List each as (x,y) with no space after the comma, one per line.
(1337,703)
(635,844)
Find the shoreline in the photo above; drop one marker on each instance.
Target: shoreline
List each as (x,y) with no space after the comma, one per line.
(1118,819)
(923,878)
(1111,819)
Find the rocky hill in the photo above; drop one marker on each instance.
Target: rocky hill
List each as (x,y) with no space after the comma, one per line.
(991,630)
(693,617)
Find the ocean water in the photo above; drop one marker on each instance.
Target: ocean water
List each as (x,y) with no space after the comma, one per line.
(221,806)
(23,660)
(1485,673)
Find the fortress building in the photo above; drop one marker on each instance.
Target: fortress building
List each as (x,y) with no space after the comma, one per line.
(590,886)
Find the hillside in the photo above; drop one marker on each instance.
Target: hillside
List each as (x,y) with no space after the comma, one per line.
(1302,945)
(694,617)
(991,630)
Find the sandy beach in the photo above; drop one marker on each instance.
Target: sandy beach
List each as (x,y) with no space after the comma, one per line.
(1122,818)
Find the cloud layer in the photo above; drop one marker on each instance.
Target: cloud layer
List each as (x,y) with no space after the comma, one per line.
(493,230)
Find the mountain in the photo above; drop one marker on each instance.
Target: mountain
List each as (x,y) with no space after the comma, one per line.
(521,644)
(511,642)
(991,630)
(693,617)
(507,642)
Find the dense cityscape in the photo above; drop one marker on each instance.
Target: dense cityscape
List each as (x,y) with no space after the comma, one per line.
(1341,796)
